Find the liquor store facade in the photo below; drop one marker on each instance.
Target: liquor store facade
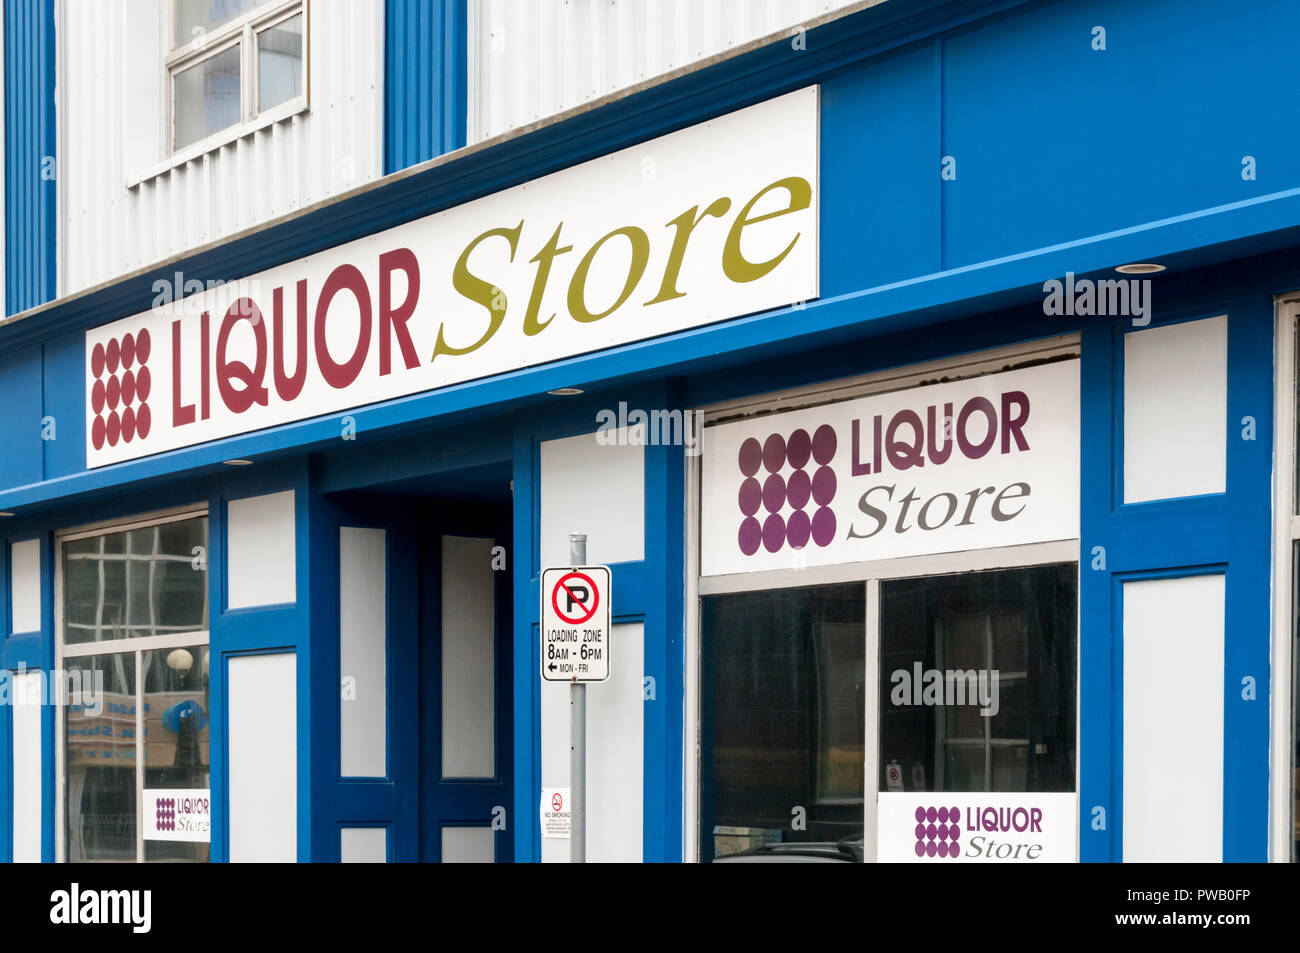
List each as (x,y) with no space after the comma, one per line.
(941,444)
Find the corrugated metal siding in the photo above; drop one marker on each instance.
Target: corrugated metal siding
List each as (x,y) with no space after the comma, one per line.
(529,59)
(424,75)
(108,228)
(29,173)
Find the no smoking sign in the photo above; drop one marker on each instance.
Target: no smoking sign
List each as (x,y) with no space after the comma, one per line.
(575,623)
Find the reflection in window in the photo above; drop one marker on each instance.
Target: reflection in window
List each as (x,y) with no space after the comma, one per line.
(136,583)
(139,715)
(176,743)
(100,760)
(783,719)
(191,19)
(977,681)
(206,97)
(279,63)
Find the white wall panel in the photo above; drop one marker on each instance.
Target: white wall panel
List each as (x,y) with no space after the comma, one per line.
(599,490)
(594,489)
(468,658)
(363,845)
(28,767)
(363,652)
(615,752)
(261,567)
(262,714)
(468,845)
(112,129)
(529,59)
(1176,410)
(1173,719)
(25,586)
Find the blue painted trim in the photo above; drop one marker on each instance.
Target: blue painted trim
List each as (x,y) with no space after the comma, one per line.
(1096,732)
(1223,532)
(6,777)
(1249,595)
(29,141)
(665,658)
(425,85)
(527,716)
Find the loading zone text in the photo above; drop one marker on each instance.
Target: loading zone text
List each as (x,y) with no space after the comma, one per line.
(573,651)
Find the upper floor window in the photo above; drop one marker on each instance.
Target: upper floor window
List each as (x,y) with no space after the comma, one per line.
(232,62)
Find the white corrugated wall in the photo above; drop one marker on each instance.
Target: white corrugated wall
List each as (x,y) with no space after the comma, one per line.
(529,59)
(112,129)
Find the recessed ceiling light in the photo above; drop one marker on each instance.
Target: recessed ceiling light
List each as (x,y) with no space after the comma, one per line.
(238,463)
(565,391)
(1140,268)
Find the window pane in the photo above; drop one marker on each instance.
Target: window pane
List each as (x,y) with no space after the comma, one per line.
(100,750)
(176,734)
(783,722)
(191,19)
(136,583)
(279,63)
(205,97)
(977,680)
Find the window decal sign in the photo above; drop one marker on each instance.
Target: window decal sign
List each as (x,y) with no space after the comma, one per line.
(969,464)
(1002,827)
(177,814)
(654,239)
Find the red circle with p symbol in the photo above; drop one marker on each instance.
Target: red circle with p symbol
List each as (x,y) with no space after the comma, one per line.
(571,585)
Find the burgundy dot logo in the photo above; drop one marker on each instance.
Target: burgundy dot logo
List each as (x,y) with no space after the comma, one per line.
(938,833)
(165,819)
(119,396)
(786,488)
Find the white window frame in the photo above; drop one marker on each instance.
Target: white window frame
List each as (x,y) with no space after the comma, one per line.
(868,573)
(1286,531)
(243,30)
(112,647)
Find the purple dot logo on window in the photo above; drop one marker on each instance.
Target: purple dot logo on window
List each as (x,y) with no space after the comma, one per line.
(166,813)
(938,833)
(786,490)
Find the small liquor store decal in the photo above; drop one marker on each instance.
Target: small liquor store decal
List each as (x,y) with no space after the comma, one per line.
(711,222)
(938,827)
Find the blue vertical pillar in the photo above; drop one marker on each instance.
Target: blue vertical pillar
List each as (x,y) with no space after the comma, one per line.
(29,154)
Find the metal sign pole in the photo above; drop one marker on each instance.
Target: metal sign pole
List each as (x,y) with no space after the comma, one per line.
(577,737)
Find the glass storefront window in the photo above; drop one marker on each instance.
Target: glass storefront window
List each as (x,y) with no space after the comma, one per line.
(783,751)
(137,714)
(976,693)
(977,681)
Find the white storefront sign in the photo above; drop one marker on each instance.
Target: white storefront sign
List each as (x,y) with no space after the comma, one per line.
(971,464)
(944,827)
(177,814)
(711,222)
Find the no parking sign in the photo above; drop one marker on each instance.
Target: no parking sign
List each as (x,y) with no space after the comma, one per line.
(576,623)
